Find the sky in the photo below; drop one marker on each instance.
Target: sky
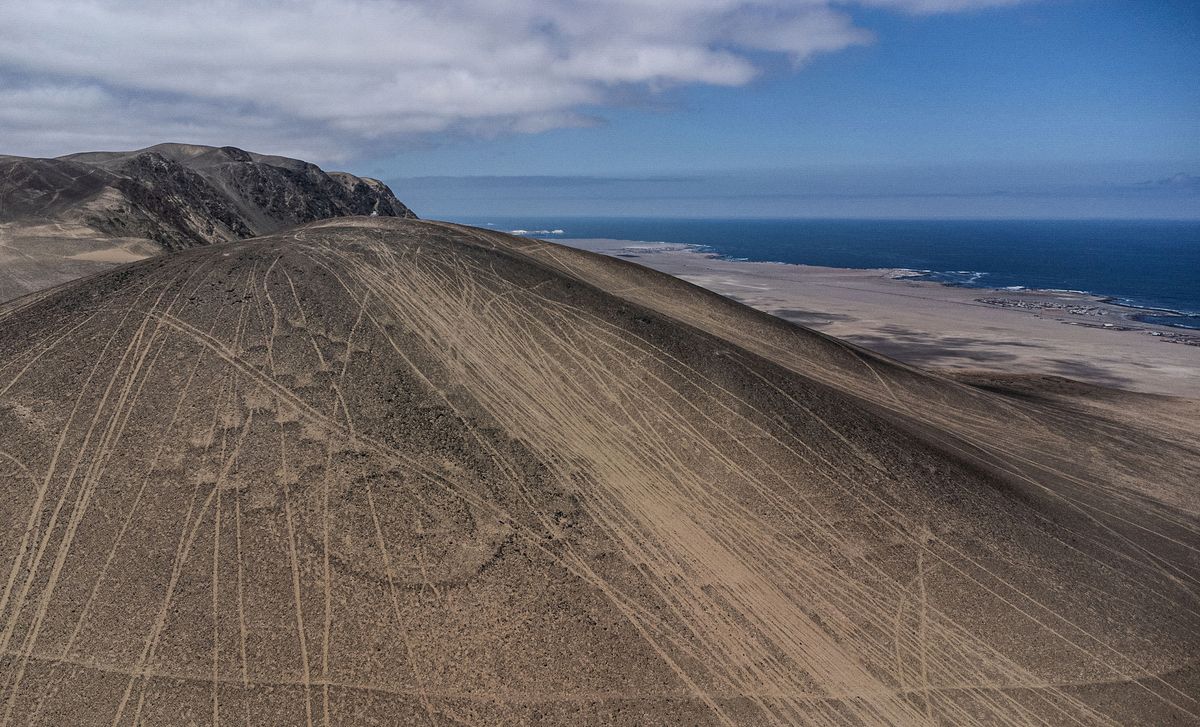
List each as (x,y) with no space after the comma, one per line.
(724,108)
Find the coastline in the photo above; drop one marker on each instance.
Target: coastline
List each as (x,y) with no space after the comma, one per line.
(1129,310)
(946,327)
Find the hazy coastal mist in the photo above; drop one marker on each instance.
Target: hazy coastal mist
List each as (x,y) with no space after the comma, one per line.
(981,192)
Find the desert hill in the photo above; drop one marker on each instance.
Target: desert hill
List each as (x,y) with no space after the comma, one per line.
(388,471)
(67,217)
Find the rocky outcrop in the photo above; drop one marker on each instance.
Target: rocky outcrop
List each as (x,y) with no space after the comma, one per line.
(180,196)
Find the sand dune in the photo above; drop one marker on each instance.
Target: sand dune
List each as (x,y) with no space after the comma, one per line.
(389,471)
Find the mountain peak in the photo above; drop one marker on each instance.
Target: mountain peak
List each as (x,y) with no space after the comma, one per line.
(167,196)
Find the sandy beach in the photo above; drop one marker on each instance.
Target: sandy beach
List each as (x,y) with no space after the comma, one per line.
(936,326)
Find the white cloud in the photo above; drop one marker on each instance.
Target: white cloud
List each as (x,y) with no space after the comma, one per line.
(328,78)
(926,7)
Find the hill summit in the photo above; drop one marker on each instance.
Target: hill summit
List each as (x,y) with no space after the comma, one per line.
(385,471)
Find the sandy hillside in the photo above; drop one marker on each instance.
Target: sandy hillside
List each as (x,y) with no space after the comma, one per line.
(383,471)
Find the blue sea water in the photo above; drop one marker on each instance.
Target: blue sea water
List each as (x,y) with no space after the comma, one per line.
(1148,264)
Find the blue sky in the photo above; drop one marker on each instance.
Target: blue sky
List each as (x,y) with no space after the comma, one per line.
(1063,108)
(844,108)
(1046,82)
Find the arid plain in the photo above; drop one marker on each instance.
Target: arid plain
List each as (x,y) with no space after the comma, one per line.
(959,331)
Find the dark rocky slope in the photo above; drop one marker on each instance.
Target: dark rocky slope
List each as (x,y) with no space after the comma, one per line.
(166,197)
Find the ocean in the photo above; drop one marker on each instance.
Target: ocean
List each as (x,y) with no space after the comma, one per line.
(1150,265)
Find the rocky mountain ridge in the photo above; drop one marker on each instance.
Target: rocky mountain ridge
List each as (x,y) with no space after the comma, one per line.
(179,196)
(74,215)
